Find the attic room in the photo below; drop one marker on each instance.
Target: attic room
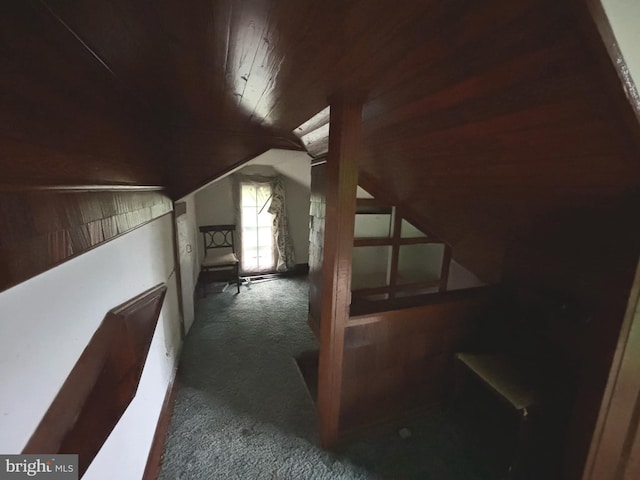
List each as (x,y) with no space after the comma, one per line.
(496,144)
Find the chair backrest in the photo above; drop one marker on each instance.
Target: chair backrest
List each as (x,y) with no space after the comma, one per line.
(219,236)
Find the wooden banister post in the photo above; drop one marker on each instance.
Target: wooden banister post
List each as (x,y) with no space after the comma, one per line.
(341,183)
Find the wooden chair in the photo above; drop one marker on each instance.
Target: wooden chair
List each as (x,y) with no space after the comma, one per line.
(220,261)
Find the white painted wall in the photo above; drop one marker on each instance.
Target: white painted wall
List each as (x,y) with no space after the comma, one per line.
(370,267)
(189,245)
(624,17)
(372,226)
(214,203)
(46,322)
(420,262)
(460,277)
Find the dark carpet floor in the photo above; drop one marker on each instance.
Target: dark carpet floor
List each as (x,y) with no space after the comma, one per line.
(243,412)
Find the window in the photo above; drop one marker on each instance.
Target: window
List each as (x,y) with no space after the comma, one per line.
(256,223)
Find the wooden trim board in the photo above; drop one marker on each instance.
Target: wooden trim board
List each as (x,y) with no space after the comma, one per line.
(156,453)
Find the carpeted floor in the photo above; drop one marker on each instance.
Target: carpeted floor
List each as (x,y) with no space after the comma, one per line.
(243,412)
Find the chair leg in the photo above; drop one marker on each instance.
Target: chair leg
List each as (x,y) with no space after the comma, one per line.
(238,278)
(200,285)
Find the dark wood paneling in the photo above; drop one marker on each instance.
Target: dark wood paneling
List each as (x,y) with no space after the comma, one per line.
(500,133)
(614,446)
(64,118)
(401,360)
(481,116)
(43,228)
(588,254)
(485,119)
(198,156)
(341,183)
(154,461)
(103,382)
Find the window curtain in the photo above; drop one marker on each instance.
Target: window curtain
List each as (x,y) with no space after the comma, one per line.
(283,246)
(285,259)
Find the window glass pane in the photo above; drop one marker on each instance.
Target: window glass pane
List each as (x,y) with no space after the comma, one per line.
(249,216)
(409,231)
(420,263)
(248,194)
(250,257)
(265,258)
(257,236)
(372,226)
(263,194)
(249,236)
(249,253)
(370,267)
(265,219)
(265,237)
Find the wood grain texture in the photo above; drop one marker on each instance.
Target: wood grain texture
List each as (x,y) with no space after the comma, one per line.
(43,228)
(486,121)
(197,156)
(341,182)
(154,461)
(613,449)
(496,115)
(589,255)
(483,118)
(65,119)
(102,383)
(401,360)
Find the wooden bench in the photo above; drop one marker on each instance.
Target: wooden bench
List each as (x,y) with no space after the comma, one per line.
(513,384)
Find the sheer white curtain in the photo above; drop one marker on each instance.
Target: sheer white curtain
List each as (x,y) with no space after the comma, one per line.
(262,224)
(284,245)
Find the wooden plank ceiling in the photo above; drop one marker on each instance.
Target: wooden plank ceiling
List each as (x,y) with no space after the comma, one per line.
(482,116)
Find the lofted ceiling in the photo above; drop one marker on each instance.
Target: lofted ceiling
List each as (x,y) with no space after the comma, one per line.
(481,116)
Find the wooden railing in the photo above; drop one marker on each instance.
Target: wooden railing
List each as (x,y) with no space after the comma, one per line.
(401,359)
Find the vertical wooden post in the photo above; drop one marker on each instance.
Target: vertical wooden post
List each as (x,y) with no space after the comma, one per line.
(341,183)
(615,446)
(444,272)
(396,235)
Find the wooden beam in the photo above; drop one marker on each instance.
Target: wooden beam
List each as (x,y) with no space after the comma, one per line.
(615,449)
(446,265)
(387,241)
(341,185)
(372,242)
(392,289)
(395,252)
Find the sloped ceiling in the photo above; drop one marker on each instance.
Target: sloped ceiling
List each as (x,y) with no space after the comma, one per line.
(482,116)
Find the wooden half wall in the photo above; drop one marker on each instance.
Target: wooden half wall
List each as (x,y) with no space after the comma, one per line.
(401,360)
(103,382)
